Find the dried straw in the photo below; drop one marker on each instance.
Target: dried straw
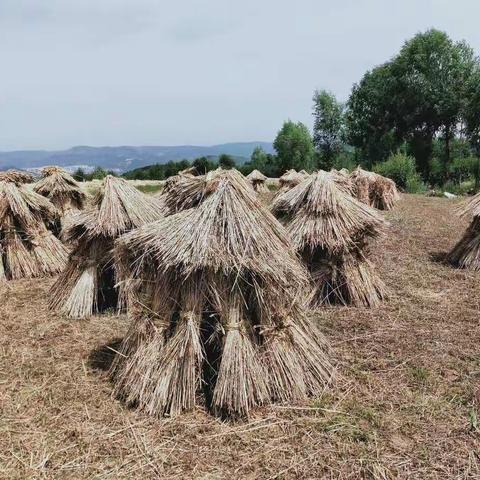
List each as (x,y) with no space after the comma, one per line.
(373,189)
(235,290)
(86,285)
(16,176)
(61,189)
(258,181)
(331,231)
(466,253)
(291,178)
(27,248)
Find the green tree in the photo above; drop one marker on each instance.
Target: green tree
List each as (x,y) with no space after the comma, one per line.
(369,126)
(294,147)
(328,127)
(431,73)
(79,175)
(260,160)
(472,112)
(420,94)
(226,161)
(203,165)
(98,173)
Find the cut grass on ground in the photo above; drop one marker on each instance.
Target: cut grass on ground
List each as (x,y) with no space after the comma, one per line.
(405,404)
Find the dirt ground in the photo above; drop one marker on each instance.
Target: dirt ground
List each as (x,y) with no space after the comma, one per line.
(404,405)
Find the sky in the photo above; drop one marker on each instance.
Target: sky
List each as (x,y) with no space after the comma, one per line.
(153,72)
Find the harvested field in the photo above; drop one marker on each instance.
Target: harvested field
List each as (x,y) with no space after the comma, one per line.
(405,404)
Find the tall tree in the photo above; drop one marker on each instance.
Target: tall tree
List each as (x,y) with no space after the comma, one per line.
(294,147)
(203,165)
(226,161)
(415,97)
(369,125)
(472,112)
(328,126)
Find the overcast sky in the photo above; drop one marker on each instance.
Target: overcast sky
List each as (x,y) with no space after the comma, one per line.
(152,72)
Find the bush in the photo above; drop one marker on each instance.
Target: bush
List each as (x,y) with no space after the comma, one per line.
(415,185)
(401,169)
(462,188)
(437,173)
(461,169)
(346,160)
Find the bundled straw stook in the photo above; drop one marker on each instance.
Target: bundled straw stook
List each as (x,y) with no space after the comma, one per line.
(258,181)
(189,171)
(87,284)
(343,180)
(27,248)
(373,189)
(332,230)
(216,295)
(61,189)
(466,253)
(16,176)
(291,178)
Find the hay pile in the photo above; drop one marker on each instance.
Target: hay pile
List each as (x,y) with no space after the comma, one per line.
(182,191)
(189,171)
(16,176)
(343,180)
(258,181)
(61,189)
(373,189)
(87,284)
(466,253)
(291,178)
(27,248)
(332,231)
(216,297)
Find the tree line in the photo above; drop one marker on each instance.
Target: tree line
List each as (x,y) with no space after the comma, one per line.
(416,116)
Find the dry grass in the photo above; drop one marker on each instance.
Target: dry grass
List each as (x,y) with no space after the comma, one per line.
(236,325)
(61,189)
(405,404)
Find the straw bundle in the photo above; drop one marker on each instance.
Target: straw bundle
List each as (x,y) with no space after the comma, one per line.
(343,181)
(182,191)
(189,171)
(332,230)
(373,189)
(290,179)
(16,176)
(87,284)
(466,253)
(61,189)
(258,181)
(216,295)
(27,248)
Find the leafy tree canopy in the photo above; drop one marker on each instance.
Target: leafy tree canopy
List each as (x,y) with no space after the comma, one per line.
(294,147)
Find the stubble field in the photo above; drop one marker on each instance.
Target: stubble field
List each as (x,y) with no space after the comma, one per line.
(404,405)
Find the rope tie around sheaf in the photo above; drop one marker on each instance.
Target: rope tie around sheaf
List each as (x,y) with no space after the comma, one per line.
(229,327)
(189,316)
(275,330)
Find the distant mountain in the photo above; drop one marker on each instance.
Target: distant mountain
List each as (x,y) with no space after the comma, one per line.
(122,158)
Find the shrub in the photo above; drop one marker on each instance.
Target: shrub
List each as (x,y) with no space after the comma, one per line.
(415,185)
(401,169)
(344,159)
(461,169)
(462,188)
(437,173)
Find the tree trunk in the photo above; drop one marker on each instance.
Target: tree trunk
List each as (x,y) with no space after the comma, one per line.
(447,153)
(421,147)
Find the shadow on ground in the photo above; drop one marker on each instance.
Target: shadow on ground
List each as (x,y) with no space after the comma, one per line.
(101,358)
(440,257)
